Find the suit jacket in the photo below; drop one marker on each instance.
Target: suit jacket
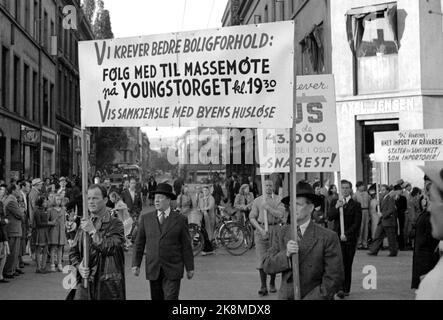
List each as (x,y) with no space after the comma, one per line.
(15,215)
(320,263)
(133,206)
(167,246)
(352,219)
(389,212)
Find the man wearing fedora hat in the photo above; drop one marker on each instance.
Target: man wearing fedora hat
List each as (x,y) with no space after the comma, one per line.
(165,235)
(320,259)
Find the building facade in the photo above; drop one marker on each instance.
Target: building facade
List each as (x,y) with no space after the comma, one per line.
(385,57)
(39,108)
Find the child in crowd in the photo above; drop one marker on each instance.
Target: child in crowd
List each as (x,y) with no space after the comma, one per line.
(71,227)
(57,233)
(42,223)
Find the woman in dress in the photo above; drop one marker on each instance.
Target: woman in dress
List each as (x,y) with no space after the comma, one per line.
(206,204)
(42,224)
(243,203)
(57,233)
(184,201)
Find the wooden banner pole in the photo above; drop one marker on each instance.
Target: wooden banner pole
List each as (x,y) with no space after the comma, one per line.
(85,200)
(265,215)
(342,221)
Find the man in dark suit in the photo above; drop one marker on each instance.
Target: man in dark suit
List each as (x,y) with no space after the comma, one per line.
(165,235)
(352,223)
(387,225)
(132,199)
(320,260)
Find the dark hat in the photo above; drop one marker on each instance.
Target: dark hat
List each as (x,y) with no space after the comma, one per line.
(305,190)
(285,201)
(166,189)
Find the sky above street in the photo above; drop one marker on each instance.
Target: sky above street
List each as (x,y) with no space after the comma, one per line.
(145,17)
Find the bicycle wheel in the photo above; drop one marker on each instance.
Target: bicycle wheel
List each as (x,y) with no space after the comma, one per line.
(234,238)
(197,239)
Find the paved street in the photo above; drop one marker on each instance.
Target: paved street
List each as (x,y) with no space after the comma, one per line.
(223,276)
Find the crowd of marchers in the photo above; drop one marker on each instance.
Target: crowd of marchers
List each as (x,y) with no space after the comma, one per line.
(43,219)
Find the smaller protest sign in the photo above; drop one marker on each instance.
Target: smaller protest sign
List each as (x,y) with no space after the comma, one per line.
(417,145)
(274,150)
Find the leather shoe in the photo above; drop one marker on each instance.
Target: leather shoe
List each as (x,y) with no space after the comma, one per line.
(8,276)
(392,255)
(371,253)
(19,271)
(272,289)
(4,281)
(263,292)
(341,294)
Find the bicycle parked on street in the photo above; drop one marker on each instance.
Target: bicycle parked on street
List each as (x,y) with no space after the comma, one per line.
(231,235)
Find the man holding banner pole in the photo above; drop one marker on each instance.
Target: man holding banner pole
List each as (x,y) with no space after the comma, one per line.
(347,216)
(320,266)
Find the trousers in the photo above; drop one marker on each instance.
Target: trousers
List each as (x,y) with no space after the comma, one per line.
(163,288)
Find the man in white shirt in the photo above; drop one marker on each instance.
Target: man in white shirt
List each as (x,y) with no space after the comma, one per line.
(25,188)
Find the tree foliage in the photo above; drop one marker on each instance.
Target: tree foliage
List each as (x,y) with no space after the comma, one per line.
(108,141)
(102,25)
(89,9)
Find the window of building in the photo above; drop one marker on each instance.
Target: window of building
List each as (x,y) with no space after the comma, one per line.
(36,20)
(51,105)
(27,16)
(16,84)
(17,10)
(45,31)
(313,57)
(60,92)
(35,103)
(45,103)
(26,91)
(52,30)
(5,78)
(373,37)
(66,96)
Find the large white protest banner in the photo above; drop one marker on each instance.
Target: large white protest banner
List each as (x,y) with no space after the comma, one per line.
(316,131)
(416,145)
(239,76)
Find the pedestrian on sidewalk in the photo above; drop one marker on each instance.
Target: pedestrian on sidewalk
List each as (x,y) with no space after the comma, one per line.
(320,260)
(362,197)
(15,216)
(57,233)
(388,224)
(105,271)
(4,244)
(268,205)
(42,224)
(206,205)
(348,241)
(164,237)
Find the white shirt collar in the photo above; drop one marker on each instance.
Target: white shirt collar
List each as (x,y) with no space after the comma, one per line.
(348,198)
(304,226)
(167,212)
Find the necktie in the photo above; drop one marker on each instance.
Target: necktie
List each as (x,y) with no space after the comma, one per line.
(161,218)
(299,234)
